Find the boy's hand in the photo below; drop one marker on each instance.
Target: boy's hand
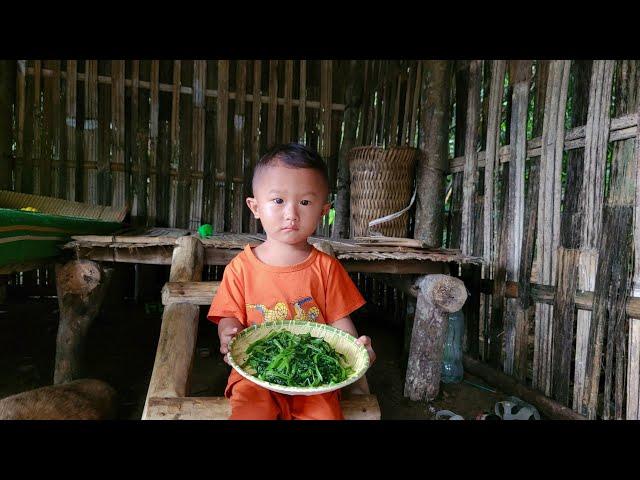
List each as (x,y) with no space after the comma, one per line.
(366,342)
(226,334)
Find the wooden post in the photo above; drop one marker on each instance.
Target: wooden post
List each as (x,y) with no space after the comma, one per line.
(439,295)
(433,162)
(353,100)
(81,286)
(179,330)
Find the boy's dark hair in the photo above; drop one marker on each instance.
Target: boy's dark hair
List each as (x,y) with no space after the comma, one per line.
(293,155)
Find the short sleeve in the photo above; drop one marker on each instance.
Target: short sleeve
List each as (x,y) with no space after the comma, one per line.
(229,299)
(343,297)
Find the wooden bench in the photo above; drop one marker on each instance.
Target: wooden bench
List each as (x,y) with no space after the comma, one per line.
(356,407)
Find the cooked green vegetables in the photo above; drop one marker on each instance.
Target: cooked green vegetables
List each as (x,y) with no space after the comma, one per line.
(296,360)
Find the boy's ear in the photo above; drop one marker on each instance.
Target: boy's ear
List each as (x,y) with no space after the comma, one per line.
(252,203)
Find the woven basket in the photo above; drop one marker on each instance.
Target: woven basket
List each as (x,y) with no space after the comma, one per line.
(356,355)
(381,184)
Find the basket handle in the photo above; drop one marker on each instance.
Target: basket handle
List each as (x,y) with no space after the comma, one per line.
(389,217)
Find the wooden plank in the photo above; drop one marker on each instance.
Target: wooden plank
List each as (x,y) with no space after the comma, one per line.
(238,147)
(154,106)
(302,106)
(195,293)
(596,140)
(549,198)
(356,407)
(470,178)
(520,74)
(273,94)
(175,142)
(255,122)
(286,112)
(221,178)
(20,115)
(198,143)
(70,130)
(90,135)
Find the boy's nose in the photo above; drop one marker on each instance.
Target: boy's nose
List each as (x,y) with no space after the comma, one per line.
(291,213)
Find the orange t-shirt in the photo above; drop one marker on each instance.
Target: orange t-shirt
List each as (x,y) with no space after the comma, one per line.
(318,289)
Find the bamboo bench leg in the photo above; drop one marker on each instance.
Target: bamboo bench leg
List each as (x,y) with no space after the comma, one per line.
(438,296)
(179,330)
(81,286)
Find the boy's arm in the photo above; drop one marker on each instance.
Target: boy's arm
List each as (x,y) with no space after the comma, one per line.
(228,327)
(361,387)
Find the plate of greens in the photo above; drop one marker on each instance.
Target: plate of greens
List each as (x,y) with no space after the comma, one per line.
(298,358)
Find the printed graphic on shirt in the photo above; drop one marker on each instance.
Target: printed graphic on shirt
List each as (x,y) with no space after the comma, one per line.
(280,311)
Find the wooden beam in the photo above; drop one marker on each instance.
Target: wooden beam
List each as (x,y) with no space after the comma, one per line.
(356,407)
(510,385)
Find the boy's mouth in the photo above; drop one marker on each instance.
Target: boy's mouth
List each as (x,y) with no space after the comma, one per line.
(290,228)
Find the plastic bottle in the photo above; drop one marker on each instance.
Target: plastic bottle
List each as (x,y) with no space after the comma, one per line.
(452,371)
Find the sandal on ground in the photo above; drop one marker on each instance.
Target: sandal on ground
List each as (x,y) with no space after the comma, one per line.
(516,409)
(448,415)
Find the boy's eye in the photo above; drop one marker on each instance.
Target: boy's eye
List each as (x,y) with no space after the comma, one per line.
(304,202)
(278,200)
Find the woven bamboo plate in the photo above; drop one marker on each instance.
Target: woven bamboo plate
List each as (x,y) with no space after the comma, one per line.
(356,355)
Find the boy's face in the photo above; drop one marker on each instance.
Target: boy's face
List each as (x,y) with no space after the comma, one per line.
(289,202)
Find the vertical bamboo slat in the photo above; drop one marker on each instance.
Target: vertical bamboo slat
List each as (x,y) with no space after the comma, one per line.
(238,147)
(198,145)
(52,182)
(470,178)
(406,120)
(175,142)
(302,106)
(414,111)
(70,124)
(90,137)
(325,108)
(221,150)
(104,182)
(255,127)
(118,173)
(36,148)
(521,73)
(273,103)
(153,142)
(548,238)
(20,114)
(138,200)
(286,112)
(595,153)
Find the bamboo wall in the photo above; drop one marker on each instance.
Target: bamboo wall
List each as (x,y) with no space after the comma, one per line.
(175,140)
(554,143)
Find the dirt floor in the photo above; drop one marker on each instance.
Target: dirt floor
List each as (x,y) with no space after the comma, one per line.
(121,348)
